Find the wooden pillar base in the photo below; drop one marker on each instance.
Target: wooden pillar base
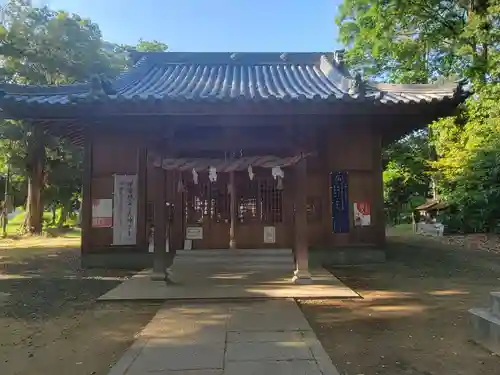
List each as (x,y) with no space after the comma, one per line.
(158,276)
(301,274)
(163,276)
(301,277)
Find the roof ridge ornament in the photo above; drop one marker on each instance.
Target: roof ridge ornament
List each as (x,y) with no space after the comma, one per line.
(357,86)
(100,86)
(339,56)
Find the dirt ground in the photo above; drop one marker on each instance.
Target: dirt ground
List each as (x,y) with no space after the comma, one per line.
(50,322)
(413,316)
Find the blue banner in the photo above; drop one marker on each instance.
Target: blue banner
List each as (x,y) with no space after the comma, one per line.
(340,202)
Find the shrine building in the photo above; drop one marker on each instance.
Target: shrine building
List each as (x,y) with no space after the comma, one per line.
(230,151)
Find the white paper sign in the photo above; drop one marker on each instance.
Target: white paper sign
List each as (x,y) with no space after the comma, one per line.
(194,233)
(102,213)
(269,235)
(125,210)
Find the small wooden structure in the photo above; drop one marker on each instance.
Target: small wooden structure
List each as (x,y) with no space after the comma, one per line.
(431,208)
(230,150)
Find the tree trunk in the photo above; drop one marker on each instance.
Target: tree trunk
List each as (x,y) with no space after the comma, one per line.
(36,177)
(34,207)
(65,209)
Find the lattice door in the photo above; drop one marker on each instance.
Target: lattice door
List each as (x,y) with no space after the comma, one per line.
(207,204)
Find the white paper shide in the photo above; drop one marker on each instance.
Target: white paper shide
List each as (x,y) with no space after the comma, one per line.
(125,210)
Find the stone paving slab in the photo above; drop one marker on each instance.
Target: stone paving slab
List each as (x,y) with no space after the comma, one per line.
(186,339)
(201,281)
(273,368)
(158,356)
(267,351)
(269,336)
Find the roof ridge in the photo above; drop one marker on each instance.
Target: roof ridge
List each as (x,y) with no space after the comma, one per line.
(209,58)
(26,89)
(215,77)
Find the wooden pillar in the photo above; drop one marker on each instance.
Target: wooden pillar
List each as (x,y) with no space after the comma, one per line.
(378,214)
(301,274)
(233,211)
(160,238)
(86,210)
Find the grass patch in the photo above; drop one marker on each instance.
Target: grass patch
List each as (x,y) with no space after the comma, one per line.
(401,229)
(69,230)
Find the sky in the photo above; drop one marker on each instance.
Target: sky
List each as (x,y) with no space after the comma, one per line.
(214,25)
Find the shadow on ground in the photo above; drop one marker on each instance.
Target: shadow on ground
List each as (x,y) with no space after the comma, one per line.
(36,284)
(50,322)
(413,318)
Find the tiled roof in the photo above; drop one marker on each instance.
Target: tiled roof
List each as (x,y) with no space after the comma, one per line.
(172,76)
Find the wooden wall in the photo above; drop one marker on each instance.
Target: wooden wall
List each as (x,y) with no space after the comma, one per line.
(357,151)
(110,155)
(354,149)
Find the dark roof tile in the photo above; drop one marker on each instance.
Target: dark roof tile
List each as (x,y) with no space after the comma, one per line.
(233,76)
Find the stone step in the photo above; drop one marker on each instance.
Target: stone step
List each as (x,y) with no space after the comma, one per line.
(485,328)
(236,252)
(242,259)
(495,303)
(234,267)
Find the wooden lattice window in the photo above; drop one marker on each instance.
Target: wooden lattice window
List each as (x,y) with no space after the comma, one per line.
(219,203)
(197,202)
(247,201)
(206,201)
(271,202)
(314,213)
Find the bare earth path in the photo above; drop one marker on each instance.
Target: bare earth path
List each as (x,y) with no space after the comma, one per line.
(49,320)
(413,318)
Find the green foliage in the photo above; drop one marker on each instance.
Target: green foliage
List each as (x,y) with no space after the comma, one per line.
(44,47)
(40,46)
(420,41)
(468,167)
(406,178)
(151,46)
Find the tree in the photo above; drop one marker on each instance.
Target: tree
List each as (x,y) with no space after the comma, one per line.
(151,46)
(415,41)
(40,46)
(406,174)
(420,41)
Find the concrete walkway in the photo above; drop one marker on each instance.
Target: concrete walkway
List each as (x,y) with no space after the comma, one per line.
(248,338)
(198,283)
(230,274)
